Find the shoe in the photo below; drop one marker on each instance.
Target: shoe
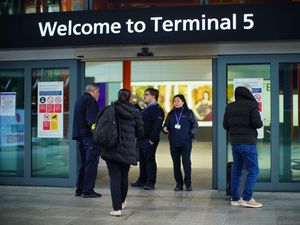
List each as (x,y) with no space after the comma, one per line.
(189,188)
(91,195)
(252,204)
(138,184)
(124,204)
(149,187)
(237,203)
(78,192)
(178,188)
(116,213)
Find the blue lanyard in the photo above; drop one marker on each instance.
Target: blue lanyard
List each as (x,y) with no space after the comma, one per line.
(178,118)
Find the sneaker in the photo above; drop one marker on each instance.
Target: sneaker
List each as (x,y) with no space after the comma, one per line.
(116,213)
(252,204)
(189,188)
(237,203)
(178,188)
(124,204)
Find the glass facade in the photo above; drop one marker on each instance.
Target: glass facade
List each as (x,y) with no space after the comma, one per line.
(12,122)
(50,155)
(289,118)
(240,75)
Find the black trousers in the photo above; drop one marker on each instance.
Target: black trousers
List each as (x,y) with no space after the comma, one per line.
(89,158)
(148,166)
(182,153)
(118,174)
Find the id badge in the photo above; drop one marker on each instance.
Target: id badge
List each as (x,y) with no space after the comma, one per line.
(177,126)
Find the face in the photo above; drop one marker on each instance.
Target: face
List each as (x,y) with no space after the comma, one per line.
(205,95)
(95,93)
(178,103)
(148,98)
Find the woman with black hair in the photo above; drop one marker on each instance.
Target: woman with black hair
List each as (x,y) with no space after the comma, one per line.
(119,158)
(181,126)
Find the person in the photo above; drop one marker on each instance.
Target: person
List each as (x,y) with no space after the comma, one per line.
(85,112)
(241,119)
(153,117)
(118,159)
(181,125)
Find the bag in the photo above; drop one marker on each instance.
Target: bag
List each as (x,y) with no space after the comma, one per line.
(107,132)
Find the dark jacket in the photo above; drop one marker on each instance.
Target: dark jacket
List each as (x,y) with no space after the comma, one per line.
(153,117)
(131,124)
(85,112)
(188,129)
(242,118)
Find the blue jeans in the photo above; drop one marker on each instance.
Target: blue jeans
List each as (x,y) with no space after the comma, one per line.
(244,156)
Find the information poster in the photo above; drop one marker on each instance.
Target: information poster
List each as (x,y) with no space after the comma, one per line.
(50,109)
(255,85)
(7,103)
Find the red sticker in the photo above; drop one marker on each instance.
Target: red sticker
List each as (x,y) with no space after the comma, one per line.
(58,108)
(50,108)
(46,125)
(43,108)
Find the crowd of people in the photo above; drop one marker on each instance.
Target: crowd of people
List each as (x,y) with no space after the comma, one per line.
(140,135)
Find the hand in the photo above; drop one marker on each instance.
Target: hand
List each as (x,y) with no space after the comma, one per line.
(151,142)
(165,129)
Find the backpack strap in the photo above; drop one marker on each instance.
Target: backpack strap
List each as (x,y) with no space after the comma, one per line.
(118,122)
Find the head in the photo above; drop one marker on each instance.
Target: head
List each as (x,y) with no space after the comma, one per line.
(179,101)
(241,93)
(150,95)
(205,95)
(93,90)
(124,95)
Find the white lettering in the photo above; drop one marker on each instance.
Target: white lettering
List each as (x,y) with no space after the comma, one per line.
(156,19)
(210,21)
(249,21)
(140,24)
(167,25)
(101,27)
(47,28)
(225,24)
(129,28)
(191,24)
(87,31)
(62,30)
(116,28)
(75,29)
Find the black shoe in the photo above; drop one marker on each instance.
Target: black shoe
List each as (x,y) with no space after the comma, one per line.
(91,195)
(189,188)
(78,192)
(137,184)
(178,188)
(149,187)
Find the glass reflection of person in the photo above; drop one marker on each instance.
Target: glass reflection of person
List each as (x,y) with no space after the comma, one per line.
(203,107)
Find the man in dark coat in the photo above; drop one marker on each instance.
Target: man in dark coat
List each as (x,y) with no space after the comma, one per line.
(153,117)
(85,112)
(118,159)
(241,119)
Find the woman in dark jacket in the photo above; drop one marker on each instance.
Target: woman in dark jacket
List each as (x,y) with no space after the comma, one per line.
(181,126)
(119,159)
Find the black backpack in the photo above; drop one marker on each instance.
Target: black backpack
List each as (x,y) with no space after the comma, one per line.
(107,132)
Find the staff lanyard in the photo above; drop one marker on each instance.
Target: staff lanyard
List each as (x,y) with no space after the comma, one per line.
(178,118)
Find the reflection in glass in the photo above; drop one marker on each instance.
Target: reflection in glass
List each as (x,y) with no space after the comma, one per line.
(289,118)
(12,123)
(263,145)
(50,156)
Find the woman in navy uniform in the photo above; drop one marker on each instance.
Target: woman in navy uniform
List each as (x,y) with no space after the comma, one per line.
(181,126)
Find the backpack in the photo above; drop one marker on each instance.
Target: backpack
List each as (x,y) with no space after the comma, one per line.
(107,132)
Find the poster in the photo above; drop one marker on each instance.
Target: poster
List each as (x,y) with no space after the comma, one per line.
(255,85)
(50,109)
(198,95)
(7,103)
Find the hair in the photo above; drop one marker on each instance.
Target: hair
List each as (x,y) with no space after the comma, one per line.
(124,95)
(91,87)
(182,99)
(154,92)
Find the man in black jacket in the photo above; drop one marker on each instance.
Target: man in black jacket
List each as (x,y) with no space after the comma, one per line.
(84,122)
(153,117)
(241,119)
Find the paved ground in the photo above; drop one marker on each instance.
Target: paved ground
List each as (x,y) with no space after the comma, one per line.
(58,206)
